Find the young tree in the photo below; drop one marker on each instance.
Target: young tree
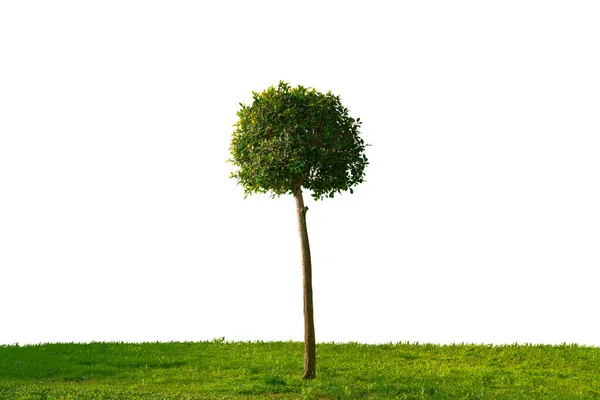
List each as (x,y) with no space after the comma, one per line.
(291,138)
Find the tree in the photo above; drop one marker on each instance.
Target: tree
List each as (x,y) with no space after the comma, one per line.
(291,138)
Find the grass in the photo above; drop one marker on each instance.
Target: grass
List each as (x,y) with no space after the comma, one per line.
(272,370)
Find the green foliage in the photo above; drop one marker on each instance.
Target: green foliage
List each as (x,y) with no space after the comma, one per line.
(297,135)
(225,370)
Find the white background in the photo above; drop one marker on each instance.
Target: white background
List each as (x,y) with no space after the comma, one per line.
(479,221)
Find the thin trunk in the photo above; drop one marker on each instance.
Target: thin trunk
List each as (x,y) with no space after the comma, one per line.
(310,370)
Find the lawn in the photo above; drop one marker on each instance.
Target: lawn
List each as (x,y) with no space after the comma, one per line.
(272,370)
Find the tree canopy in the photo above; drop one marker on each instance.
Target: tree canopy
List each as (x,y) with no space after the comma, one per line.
(293,136)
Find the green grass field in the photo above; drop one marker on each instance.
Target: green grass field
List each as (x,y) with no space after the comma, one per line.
(272,370)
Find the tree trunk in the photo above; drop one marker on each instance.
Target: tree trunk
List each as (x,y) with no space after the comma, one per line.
(310,370)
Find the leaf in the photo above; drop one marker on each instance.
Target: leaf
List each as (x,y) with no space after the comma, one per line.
(297,133)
